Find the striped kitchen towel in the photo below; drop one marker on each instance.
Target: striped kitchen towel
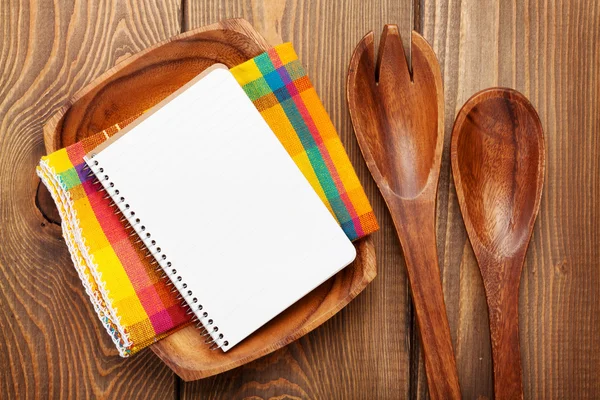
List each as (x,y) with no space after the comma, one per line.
(278,86)
(134,303)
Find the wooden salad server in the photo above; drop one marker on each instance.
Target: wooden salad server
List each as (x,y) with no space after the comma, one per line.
(498,161)
(399,124)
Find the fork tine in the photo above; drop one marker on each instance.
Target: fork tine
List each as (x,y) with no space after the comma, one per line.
(392,63)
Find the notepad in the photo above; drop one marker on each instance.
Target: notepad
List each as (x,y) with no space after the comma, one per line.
(220,205)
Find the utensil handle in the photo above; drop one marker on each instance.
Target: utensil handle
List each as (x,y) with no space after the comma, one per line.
(415,225)
(503,311)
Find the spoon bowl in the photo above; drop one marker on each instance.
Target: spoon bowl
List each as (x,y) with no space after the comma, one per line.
(498,159)
(498,163)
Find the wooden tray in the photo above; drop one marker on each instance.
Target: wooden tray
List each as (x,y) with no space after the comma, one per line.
(137,84)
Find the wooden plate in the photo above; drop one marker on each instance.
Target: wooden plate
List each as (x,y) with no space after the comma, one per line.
(137,84)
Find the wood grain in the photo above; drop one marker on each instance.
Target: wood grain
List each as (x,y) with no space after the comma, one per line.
(146,78)
(548,51)
(51,343)
(398,119)
(498,166)
(545,49)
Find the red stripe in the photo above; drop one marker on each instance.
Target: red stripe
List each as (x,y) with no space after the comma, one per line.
(133,266)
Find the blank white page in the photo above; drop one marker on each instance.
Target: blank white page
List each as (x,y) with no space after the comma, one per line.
(230,217)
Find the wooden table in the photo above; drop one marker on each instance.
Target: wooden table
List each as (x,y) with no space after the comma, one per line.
(51,344)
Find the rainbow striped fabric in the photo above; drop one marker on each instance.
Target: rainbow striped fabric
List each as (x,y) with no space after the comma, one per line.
(133,301)
(278,86)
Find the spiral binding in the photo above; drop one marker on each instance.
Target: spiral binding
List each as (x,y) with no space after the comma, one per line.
(151,249)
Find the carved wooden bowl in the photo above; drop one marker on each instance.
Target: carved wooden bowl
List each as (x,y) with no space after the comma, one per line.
(142,81)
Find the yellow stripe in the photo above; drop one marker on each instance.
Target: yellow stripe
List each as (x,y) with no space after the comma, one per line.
(59,160)
(286,53)
(246,72)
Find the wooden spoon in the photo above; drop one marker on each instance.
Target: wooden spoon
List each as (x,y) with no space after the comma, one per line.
(498,168)
(399,124)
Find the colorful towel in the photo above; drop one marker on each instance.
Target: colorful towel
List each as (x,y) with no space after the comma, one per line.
(278,86)
(131,298)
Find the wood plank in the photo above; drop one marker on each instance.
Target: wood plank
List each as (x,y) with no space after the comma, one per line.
(548,51)
(362,352)
(52,344)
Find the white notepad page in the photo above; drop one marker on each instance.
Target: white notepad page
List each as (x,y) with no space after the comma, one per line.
(236,221)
